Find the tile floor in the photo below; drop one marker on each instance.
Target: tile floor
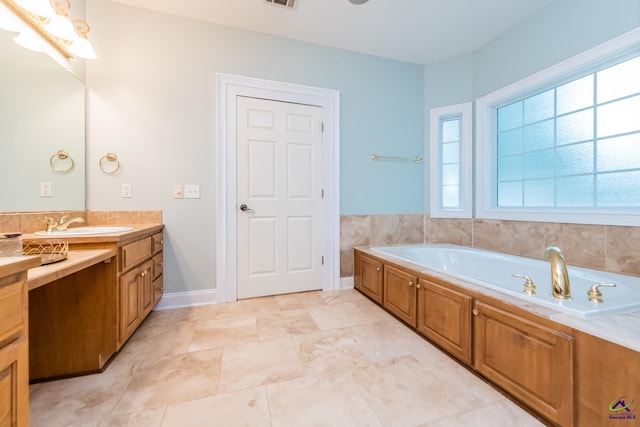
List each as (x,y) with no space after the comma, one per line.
(310,359)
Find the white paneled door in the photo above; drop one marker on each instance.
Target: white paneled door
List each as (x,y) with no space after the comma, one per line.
(279,197)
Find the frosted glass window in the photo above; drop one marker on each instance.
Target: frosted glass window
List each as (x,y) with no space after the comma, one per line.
(510,142)
(539,193)
(619,189)
(575,191)
(575,159)
(510,117)
(539,135)
(451,130)
(510,194)
(451,152)
(450,162)
(619,117)
(574,146)
(575,95)
(619,80)
(575,127)
(539,164)
(451,167)
(450,174)
(450,195)
(509,168)
(539,107)
(619,153)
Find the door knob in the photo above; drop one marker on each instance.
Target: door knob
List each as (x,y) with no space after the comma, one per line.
(245,208)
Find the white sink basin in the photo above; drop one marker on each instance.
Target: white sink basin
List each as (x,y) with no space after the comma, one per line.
(85,231)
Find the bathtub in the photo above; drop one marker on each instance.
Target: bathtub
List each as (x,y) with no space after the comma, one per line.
(494,271)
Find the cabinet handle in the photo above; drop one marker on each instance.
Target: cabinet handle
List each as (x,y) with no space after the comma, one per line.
(410,284)
(377,268)
(417,285)
(475,312)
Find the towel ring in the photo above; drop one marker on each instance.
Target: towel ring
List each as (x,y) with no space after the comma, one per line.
(111,158)
(62,155)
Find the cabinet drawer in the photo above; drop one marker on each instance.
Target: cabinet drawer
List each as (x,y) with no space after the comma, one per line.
(12,306)
(157,265)
(135,252)
(157,242)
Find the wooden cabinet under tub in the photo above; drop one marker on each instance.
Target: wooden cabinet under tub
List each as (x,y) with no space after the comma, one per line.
(565,376)
(400,293)
(530,361)
(368,277)
(444,316)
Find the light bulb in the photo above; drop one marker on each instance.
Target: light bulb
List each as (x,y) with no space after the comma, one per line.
(30,41)
(82,48)
(37,7)
(60,26)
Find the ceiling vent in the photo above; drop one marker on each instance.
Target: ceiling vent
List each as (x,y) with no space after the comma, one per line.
(286,3)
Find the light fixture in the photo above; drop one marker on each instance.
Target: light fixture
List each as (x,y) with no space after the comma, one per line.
(356,2)
(68,38)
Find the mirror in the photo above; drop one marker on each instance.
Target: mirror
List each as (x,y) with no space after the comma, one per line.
(42,111)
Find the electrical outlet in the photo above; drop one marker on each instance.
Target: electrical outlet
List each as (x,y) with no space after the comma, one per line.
(192,191)
(126,190)
(178,192)
(45,189)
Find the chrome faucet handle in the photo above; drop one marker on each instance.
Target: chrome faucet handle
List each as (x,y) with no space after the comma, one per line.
(529,287)
(595,296)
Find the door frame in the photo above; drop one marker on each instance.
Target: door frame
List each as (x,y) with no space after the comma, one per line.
(228,87)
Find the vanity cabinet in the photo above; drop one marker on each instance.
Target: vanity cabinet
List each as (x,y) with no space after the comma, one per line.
(138,277)
(399,292)
(530,361)
(14,344)
(444,316)
(140,282)
(368,276)
(136,298)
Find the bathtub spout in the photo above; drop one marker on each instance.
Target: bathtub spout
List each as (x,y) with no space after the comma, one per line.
(559,277)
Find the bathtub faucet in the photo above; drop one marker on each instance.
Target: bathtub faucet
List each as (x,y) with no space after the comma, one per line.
(559,277)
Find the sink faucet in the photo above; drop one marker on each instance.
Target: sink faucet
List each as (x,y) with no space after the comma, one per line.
(559,277)
(62,225)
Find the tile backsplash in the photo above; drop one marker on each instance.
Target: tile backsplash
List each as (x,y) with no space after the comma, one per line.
(601,247)
(29,222)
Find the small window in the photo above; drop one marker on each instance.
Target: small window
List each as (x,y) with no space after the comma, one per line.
(451,164)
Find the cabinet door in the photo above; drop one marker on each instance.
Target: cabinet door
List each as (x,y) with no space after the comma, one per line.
(14,384)
(129,304)
(400,294)
(369,277)
(444,316)
(531,362)
(147,296)
(158,289)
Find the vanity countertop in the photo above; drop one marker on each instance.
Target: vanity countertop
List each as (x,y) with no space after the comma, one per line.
(137,231)
(13,265)
(76,260)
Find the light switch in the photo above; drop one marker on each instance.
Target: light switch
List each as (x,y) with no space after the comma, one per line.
(192,191)
(178,192)
(45,189)
(126,190)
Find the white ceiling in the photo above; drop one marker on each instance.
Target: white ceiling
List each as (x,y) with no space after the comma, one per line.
(417,31)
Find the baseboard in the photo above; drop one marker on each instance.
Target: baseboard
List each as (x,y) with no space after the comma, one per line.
(346,283)
(186,299)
